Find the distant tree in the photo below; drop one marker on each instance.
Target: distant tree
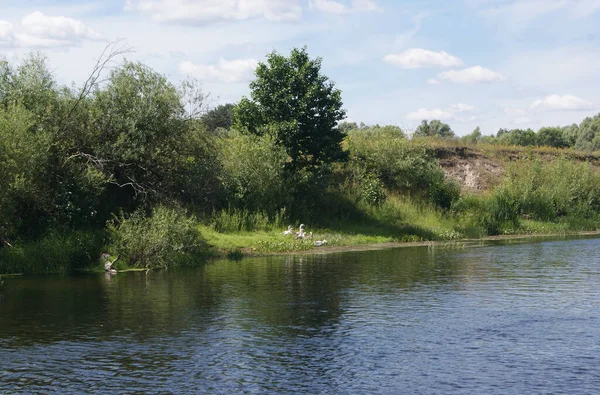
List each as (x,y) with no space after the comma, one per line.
(589,129)
(472,138)
(345,127)
(552,137)
(501,131)
(570,133)
(520,137)
(219,117)
(291,99)
(435,128)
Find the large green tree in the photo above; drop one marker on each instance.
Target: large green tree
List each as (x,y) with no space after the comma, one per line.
(301,107)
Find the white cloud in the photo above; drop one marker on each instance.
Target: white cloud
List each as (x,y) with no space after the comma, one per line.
(205,11)
(225,70)
(562,103)
(336,7)
(471,75)
(455,112)
(39,30)
(433,81)
(6,32)
(521,13)
(416,58)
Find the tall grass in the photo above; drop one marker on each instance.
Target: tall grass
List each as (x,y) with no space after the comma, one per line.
(168,237)
(54,253)
(244,220)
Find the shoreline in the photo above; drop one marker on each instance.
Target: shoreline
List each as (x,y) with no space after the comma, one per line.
(248,253)
(405,244)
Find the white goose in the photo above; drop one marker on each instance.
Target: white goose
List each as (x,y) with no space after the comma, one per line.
(300,233)
(289,231)
(319,243)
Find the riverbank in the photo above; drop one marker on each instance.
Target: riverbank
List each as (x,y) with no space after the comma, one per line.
(237,246)
(270,243)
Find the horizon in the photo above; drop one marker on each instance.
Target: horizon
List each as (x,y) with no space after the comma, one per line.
(488,63)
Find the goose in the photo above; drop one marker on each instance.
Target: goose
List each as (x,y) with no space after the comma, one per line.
(289,231)
(319,243)
(300,233)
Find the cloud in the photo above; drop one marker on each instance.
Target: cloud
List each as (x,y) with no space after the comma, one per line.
(455,112)
(562,103)
(416,58)
(336,7)
(471,75)
(521,13)
(224,71)
(433,81)
(39,30)
(6,32)
(206,11)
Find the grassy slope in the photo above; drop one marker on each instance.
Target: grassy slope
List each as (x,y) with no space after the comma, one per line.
(402,220)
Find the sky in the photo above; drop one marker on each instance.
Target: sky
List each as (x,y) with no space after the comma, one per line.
(487,63)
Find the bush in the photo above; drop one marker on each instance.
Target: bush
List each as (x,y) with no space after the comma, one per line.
(54,253)
(166,238)
(549,191)
(403,166)
(253,169)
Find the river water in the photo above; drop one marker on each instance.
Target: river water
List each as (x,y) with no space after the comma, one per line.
(504,318)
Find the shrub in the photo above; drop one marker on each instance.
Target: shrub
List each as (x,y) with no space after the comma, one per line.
(403,166)
(254,172)
(54,253)
(166,238)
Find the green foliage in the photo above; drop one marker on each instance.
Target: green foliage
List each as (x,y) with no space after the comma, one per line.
(472,138)
(402,166)
(147,147)
(587,136)
(435,128)
(219,117)
(378,132)
(243,220)
(166,238)
(56,252)
(253,172)
(372,190)
(552,137)
(517,137)
(298,105)
(345,127)
(547,191)
(25,196)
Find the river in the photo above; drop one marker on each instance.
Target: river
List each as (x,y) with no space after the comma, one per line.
(510,317)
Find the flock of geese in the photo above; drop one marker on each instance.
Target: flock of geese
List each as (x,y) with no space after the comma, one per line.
(301,234)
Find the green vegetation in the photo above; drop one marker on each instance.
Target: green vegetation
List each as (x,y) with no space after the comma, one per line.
(136,168)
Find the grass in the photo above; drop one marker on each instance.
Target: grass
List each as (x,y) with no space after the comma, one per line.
(398,219)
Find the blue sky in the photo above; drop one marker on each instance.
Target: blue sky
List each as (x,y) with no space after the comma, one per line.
(487,63)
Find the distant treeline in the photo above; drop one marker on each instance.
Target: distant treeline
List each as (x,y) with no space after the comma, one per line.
(583,137)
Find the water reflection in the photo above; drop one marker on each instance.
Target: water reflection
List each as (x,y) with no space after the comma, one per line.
(487,319)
